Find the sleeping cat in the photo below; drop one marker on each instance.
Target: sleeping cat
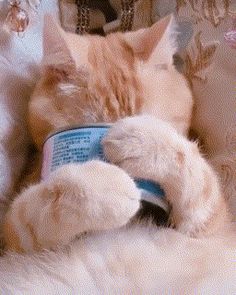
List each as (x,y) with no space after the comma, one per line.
(129,80)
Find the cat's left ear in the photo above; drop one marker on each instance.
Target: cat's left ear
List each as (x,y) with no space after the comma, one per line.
(158,43)
(56,51)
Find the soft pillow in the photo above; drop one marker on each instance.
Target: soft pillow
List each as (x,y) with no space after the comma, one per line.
(211,68)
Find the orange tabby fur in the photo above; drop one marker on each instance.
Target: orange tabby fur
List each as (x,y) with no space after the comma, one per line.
(89,79)
(82,90)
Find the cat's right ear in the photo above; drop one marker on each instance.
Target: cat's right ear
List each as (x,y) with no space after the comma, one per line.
(56,52)
(157,43)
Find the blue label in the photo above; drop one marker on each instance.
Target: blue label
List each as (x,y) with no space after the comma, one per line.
(76,146)
(83,144)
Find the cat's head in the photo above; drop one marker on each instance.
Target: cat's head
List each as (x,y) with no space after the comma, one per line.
(87,79)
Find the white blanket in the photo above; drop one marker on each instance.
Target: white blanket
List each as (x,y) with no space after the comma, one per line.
(19,69)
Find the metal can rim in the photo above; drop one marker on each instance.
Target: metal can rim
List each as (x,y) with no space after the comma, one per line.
(74,127)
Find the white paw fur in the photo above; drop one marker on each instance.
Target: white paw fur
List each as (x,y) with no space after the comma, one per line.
(141,144)
(75,199)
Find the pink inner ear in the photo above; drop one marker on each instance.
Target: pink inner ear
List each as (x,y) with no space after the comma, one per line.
(145,41)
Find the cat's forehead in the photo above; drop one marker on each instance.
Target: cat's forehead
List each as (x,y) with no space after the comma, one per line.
(93,50)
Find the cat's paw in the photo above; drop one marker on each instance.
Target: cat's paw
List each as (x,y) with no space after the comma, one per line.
(137,143)
(73,200)
(104,195)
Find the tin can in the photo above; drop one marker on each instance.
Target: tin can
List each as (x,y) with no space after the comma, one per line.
(73,145)
(79,144)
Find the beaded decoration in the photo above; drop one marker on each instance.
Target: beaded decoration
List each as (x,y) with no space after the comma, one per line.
(17,19)
(84,6)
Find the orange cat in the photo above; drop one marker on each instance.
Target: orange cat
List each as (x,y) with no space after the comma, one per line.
(128,79)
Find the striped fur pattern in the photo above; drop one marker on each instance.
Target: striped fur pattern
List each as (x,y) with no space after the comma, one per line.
(79,217)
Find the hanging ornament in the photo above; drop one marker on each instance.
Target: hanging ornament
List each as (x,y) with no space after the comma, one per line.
(17,19)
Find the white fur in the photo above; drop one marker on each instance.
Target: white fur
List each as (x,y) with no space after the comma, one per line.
(134,261)
(93,196)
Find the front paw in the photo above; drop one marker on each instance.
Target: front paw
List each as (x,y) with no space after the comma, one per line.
(76,198)
(127,144)
(140,145)
(104,195)
(123,142)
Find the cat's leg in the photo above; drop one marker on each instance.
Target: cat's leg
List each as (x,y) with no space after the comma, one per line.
(74,200)
(151,149)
